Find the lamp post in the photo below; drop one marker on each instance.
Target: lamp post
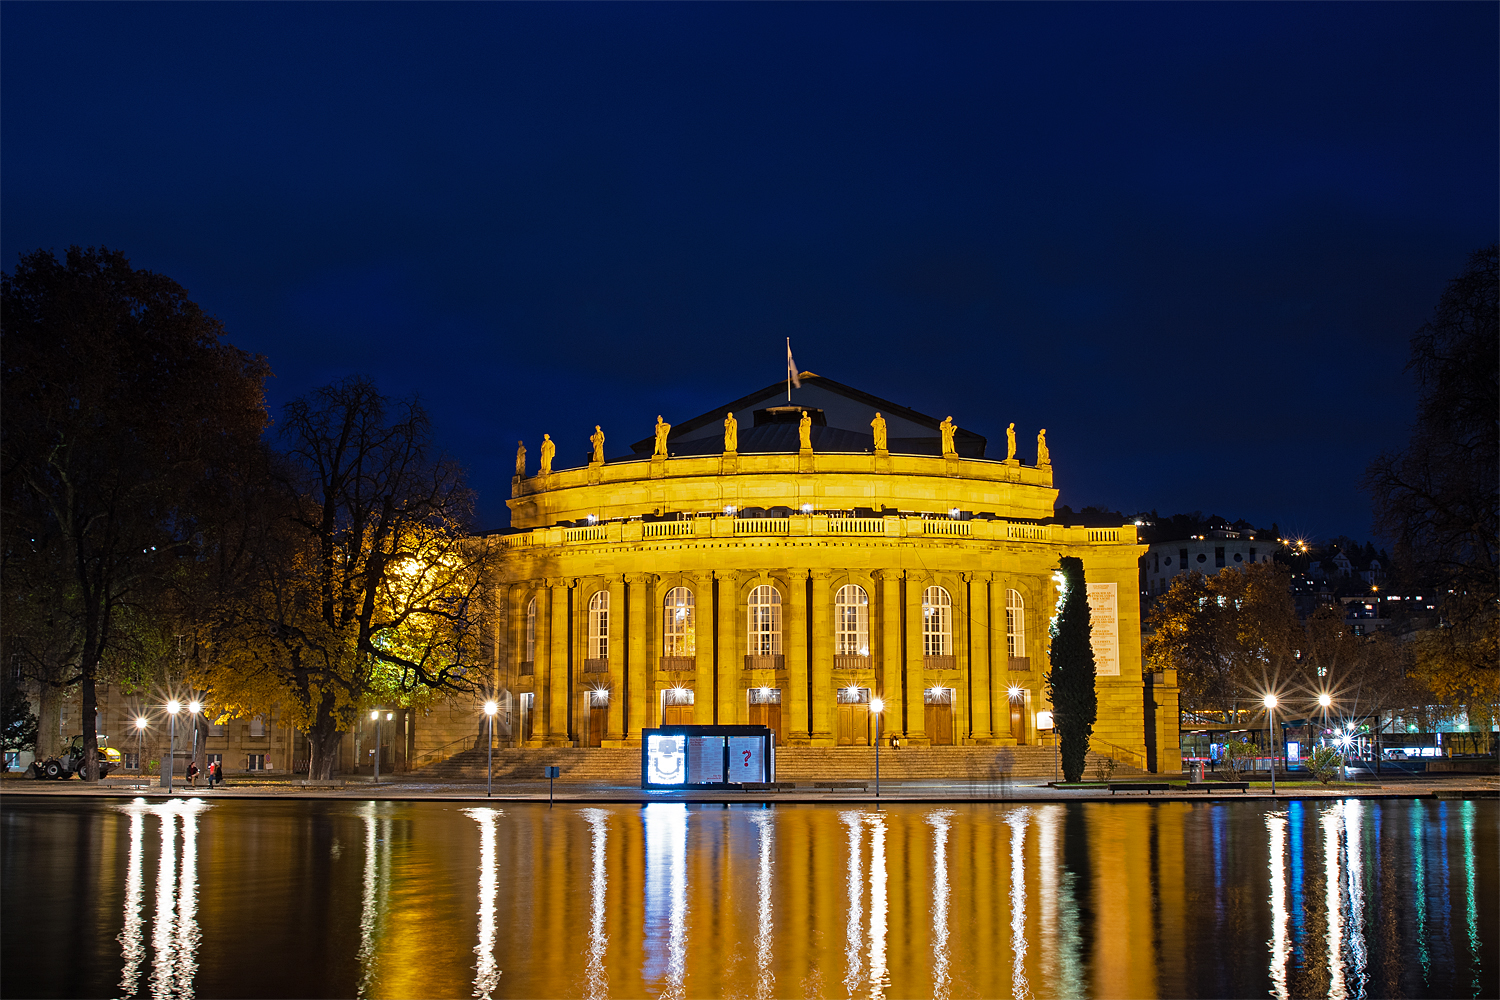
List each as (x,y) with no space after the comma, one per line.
(876,707)
(1270,702)
(490,707)
(375,717)
(195,707)
(173,707)
(140,745)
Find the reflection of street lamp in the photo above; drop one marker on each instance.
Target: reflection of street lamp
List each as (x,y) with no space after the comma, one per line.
(1270,702)
(489,771)
(173,707)
(140,744)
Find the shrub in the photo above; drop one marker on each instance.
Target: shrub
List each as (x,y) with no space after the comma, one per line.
(1324,763)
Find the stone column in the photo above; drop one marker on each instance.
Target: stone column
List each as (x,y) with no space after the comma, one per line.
(639,688)
(1000,667)
(820,661)
(889,649)
(560,692)
(703,649)
(916,709)
(981,669)
(731,705)
(541,667)
(614,733)
(794,646)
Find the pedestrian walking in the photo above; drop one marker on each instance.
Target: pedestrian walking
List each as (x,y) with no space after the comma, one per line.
(215,774)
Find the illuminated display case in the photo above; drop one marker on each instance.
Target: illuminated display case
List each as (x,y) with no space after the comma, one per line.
(706,756)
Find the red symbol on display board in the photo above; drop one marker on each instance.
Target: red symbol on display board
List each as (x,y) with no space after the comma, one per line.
(747,758)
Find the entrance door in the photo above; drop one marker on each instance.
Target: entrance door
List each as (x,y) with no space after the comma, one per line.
(676,707)
(765,710)
(854,717)
(939,705)
(598,709)
(527,701)
(1018,719)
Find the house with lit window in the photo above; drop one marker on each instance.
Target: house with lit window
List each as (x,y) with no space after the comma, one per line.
(792,558)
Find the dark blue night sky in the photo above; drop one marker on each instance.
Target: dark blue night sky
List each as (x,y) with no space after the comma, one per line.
(1190,240)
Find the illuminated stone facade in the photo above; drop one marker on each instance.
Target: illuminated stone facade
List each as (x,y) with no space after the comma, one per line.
(792,585)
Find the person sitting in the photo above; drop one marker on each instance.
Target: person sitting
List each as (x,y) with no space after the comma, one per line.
(192,773)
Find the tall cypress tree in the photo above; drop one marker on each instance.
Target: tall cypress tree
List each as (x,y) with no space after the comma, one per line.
(1070,681)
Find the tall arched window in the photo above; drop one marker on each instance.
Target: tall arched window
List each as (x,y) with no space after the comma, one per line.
(531,631)
(599,626)
(677,634)
(851,611)
(1015,623)
(937,622)
(765,621)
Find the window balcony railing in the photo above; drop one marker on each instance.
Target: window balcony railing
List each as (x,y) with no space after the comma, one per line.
(850,662)
(599,665)
(527,668)
(762,661)
(939,663)
(679,662)
(1020,663)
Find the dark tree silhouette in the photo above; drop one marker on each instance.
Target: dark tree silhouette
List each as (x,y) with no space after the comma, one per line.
(1070,681)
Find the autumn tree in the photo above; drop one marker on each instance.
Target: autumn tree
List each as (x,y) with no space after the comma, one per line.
(359,583)
(1437,499)
(122,405)
(1070,678)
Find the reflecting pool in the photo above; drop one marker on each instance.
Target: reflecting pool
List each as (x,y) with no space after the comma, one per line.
(235,898)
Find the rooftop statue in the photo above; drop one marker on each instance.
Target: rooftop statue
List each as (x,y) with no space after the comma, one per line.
(804,431)
(878,425)
(548,450)
(521,459)
(948,427)
(662,430)
(1043,457)
(597,440)
(731,432)
(1010,442)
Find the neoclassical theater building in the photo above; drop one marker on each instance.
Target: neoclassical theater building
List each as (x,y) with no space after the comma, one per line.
(791,563)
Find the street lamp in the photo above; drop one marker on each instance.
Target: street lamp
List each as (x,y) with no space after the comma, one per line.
(375,717)
(876,707)
(140,745)
(490,708)
(173,707)
(194,708)
(1270,702)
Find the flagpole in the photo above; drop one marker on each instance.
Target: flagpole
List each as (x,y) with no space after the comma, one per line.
(789,369)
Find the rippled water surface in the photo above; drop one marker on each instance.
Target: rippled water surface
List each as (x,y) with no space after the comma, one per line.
(245,898)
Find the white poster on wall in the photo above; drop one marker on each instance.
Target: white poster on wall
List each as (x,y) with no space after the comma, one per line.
(1104,619)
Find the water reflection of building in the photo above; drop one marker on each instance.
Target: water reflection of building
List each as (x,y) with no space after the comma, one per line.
(784,566)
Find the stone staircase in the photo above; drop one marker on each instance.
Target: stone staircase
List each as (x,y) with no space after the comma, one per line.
(610,766)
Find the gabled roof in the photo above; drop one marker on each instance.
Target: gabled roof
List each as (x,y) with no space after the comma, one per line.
(845,425)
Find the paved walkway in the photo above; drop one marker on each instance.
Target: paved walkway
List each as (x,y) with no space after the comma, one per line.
(1017,790)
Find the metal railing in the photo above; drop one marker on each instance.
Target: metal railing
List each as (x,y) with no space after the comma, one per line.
(679,662)
(443,752)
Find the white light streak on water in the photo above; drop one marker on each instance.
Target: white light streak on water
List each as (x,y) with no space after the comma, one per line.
(1276,827)
(666,885)
(853,937)
(189,937)
(486,969)
(1354,866)
(765,981)
(940,958)
(369,912)
(163,931)
(1020,989)
(1046,825)
(1333,901)
(596,977)
(132,947)
(1471,902)
(879,978)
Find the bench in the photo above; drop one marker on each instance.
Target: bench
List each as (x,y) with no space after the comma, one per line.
(1139,786)
(862,786)
(768,786)
(1209,786)
(320,783)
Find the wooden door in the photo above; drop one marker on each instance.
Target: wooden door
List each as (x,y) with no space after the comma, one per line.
(1018,720)
(598,719)
(854,726)
(939,705)
(765,712)
(677,715)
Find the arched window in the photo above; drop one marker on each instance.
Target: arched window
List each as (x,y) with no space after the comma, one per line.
(1015,623)
(851,611)
(531,631)
(677,636)
(599,626)
(765,621)
(937,622)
